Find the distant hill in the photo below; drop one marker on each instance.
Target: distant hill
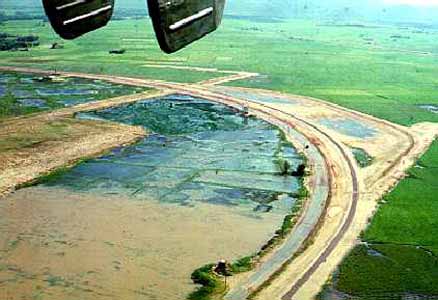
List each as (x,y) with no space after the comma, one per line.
(334,10)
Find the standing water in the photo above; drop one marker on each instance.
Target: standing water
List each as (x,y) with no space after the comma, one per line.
(204,185)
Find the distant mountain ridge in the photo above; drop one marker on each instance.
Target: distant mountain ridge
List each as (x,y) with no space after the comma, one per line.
(336,10)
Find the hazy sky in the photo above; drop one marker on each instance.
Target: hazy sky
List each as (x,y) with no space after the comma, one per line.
(413,2)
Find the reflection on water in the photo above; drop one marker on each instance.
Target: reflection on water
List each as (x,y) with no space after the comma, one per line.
(261,98)
(199,151)
(134,224)
(349,127)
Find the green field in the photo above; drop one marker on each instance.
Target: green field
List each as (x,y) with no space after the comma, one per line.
(399,255)
(386,71)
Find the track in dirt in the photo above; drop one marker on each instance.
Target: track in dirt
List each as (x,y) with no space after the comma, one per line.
(334,242)
(353,208)
(352,212)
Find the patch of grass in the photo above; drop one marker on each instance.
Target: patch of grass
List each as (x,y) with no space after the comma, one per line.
(10,107)
(51,131)
(395,269)
(362,158)
(401,255)
(242,265)
(211,284)
(283,166)
(55,280)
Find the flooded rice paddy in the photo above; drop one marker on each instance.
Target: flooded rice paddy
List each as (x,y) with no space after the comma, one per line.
(258,97)
(349,127)
(24,93)
(134,224)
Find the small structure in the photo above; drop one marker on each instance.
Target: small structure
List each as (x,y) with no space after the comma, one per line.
(300,171)
(117,51)
(221,268)
(57,46)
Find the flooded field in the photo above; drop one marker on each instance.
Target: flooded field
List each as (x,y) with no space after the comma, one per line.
(349,127)
(135,223)
(26,93)
(261,98)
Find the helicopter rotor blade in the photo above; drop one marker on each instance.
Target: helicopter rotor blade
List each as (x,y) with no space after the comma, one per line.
(178,23)
(73,18)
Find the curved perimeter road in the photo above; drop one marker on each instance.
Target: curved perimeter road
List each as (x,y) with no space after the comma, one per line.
(240,294)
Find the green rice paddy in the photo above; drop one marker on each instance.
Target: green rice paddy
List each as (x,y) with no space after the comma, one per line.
(399,254)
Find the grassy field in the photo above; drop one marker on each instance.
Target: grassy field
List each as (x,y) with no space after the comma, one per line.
(90,53)
(400,250)
(386,71)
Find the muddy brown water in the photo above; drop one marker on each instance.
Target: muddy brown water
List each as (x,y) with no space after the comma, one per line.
(135,223)
(66,245)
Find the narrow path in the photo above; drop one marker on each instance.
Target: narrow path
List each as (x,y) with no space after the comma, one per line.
(348,221)
(335,241)
(226,79)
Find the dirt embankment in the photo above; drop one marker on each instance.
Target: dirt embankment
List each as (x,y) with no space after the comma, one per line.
(40,145)
(34,145)
(31,146)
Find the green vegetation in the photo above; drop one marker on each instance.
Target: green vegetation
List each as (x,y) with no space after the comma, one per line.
(283,165)
(367,68)
(362,157)
(90,54)
(11,42)
(10,107)
(212,285)
(22,139)
(400,251)
(55,280)
(242,265)
(380,270)
(48,177)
